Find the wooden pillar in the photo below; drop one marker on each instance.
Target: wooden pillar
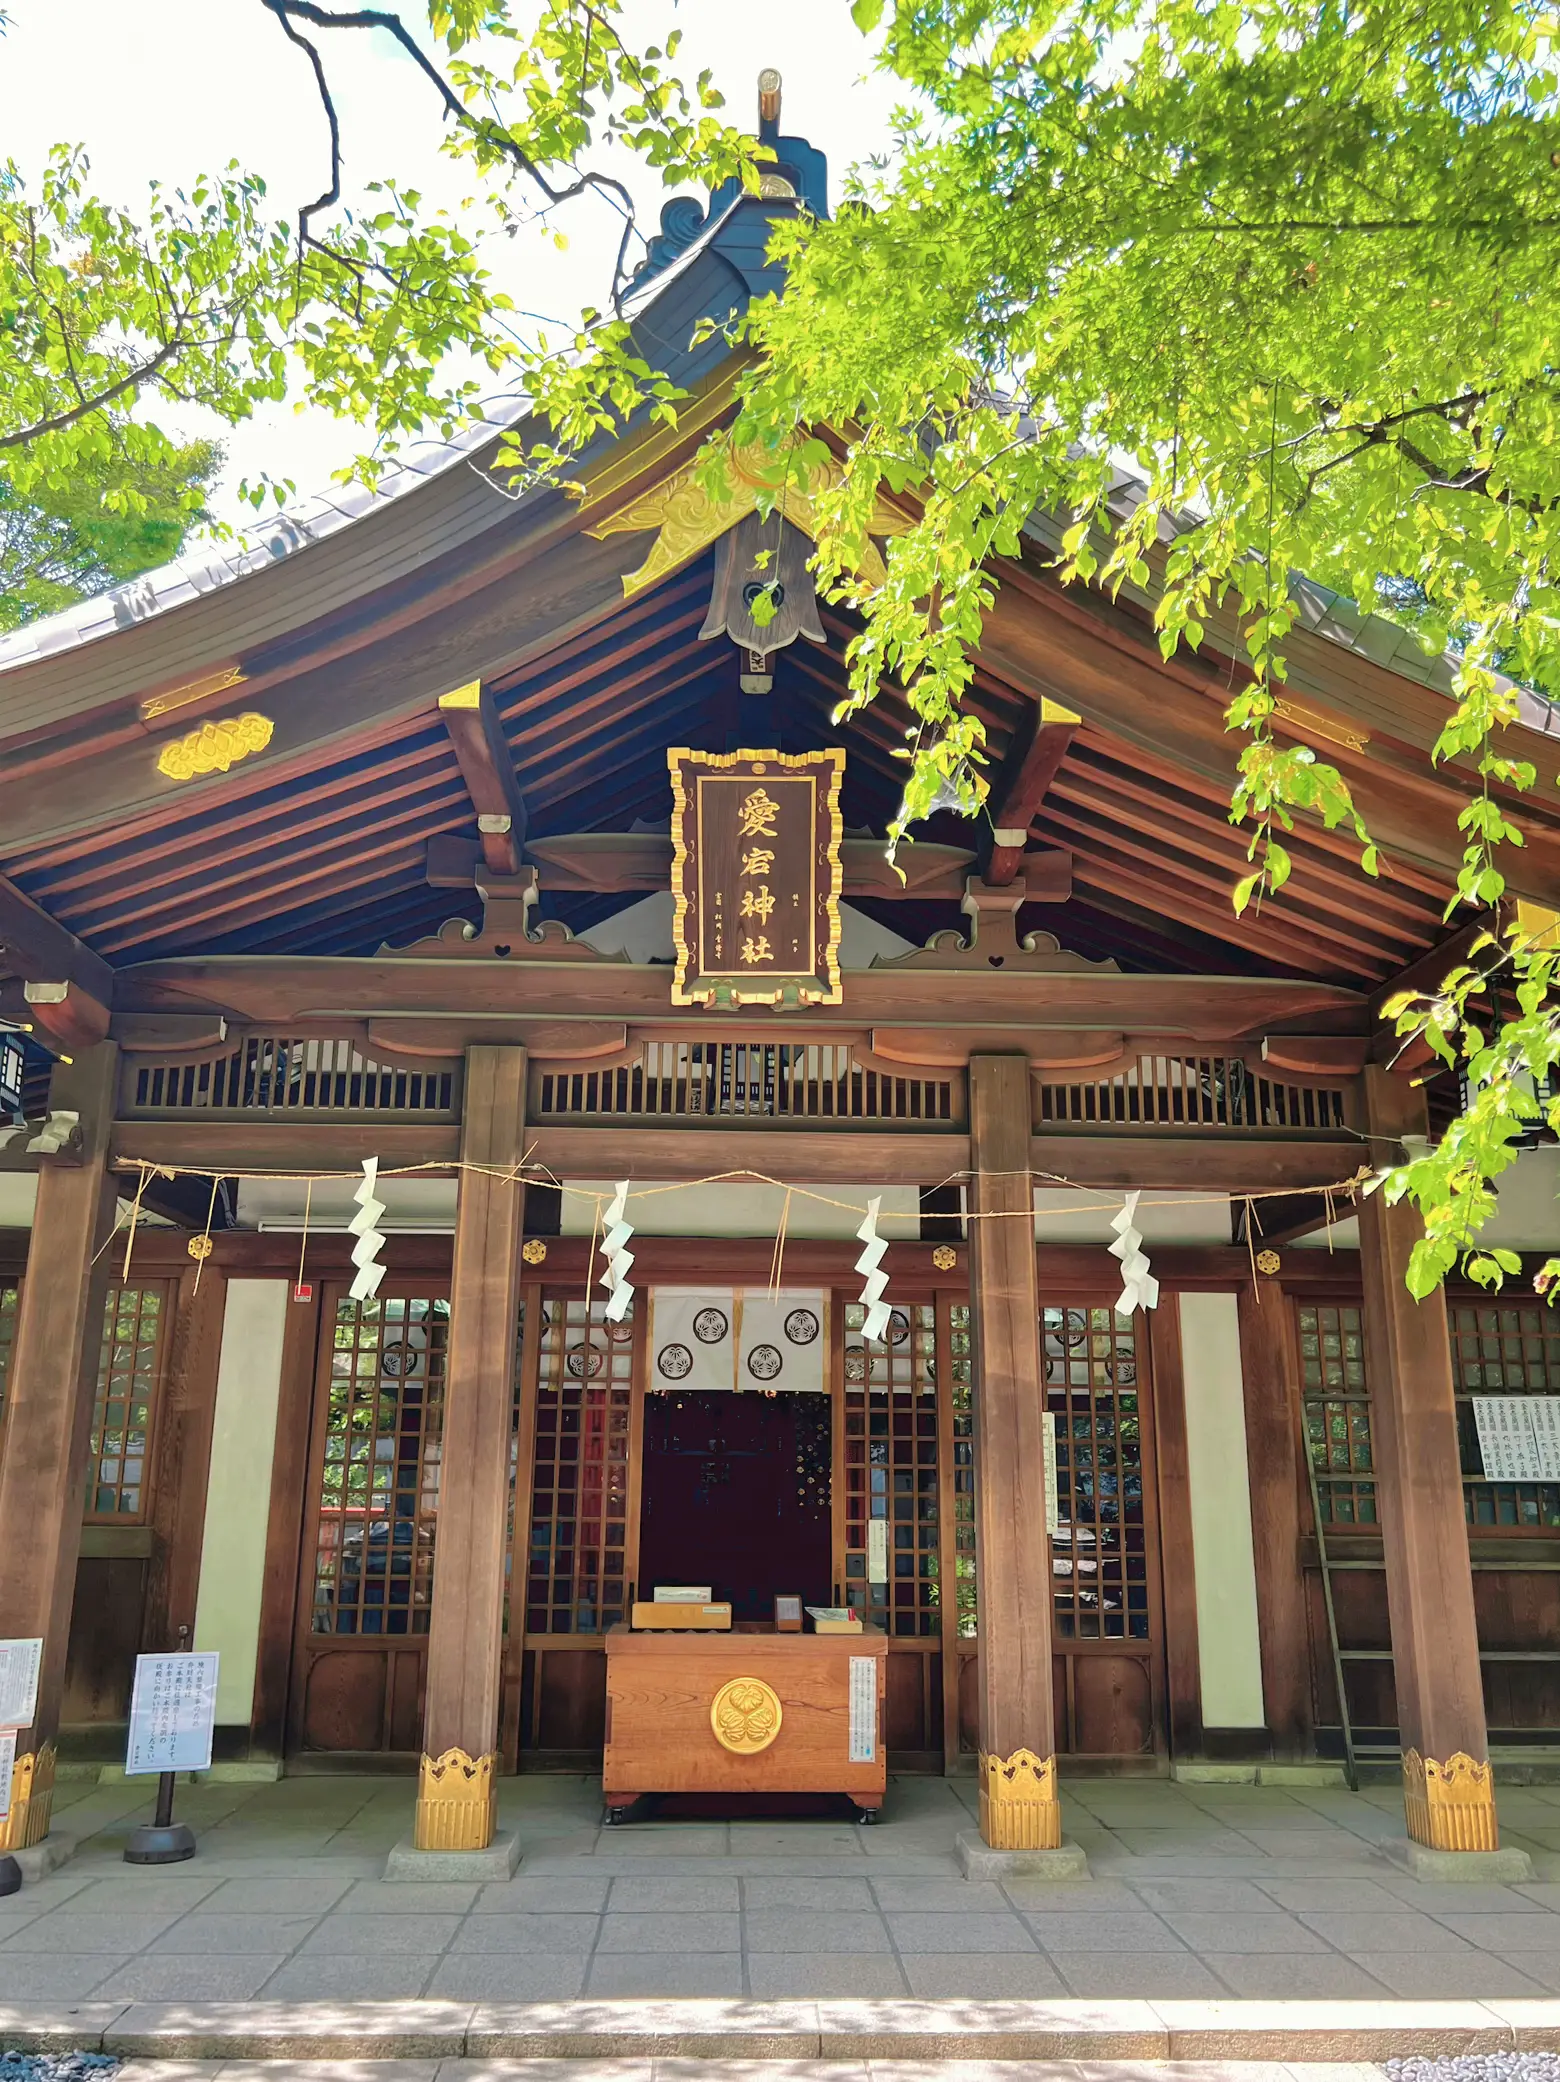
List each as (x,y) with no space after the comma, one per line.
(1019,1809)
(1273,1448)
(1448,1788)
(53,1378)
(457,1799)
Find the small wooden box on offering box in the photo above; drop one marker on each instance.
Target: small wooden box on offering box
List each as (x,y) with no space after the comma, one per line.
(748,1712)
(680,1617)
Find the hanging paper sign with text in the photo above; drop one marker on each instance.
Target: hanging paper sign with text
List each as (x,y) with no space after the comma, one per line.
(173,1711)
(1545,1413)
(756,874)
(1052,1502)
(1507,1446)
(7,1769)
(20,1662)
(863,1709)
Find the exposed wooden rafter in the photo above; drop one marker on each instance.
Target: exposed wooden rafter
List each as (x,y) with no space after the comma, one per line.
(67,990)
(488,770)
(1033,761)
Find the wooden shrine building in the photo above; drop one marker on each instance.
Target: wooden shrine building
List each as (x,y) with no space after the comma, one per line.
(362,842)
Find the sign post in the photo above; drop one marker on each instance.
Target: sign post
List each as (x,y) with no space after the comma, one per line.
(172,1714)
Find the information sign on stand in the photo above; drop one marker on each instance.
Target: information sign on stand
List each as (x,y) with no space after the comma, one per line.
(173,1712)
(20,1663)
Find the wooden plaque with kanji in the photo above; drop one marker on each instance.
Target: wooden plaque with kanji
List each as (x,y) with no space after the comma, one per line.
(756,875)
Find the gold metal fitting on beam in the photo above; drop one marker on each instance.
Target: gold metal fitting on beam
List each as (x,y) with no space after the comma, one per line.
(32,1801)
(215,747)
(1450,1806)
(457,1802)
(1019,1810)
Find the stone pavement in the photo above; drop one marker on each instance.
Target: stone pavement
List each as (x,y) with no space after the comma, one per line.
(1198,1891)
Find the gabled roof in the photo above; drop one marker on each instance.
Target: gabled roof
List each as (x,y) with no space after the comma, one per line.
(345,631)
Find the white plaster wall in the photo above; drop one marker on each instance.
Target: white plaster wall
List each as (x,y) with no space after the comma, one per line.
(413,1205)
(743,1209)
(1067,1214)
(238,1489)
(1228,1649)
(1527,1217)
(18,1192)
(643,932)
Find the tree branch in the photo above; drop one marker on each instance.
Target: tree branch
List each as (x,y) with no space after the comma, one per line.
(493,132)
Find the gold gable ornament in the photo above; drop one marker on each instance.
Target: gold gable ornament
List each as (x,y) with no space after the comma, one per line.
(688,515)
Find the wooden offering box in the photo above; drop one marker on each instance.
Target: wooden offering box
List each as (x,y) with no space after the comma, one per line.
(747,1712)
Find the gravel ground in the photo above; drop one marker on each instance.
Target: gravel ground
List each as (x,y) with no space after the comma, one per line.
(63,2067)
(1466,2067)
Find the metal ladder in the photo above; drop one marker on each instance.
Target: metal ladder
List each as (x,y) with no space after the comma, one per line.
(1386,1753)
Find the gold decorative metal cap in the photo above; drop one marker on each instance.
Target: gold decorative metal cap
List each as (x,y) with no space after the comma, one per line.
(200,1247)
(1268,1261)
(533,1250)
(945,1257)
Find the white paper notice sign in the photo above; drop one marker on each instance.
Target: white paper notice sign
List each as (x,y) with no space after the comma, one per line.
(1508,1445)
(7,1767)
(863,1709)
(1052,1508)
(172,1712)
(19,1665)
(877,1550)
(1545,1413)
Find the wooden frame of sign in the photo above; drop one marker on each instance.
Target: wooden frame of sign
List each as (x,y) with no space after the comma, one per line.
(756,874)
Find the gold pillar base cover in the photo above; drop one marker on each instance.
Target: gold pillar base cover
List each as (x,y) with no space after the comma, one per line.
(1450,1806)
(457,1802)
(1019,1810)
(32,1801)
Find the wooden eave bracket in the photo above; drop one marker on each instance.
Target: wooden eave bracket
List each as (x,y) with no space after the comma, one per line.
(487,767)
(1032,764)
(56,1139)
(67,990)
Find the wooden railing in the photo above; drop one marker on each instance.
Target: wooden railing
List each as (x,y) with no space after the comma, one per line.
(278,1076)
(771,1081)
(1209,1092)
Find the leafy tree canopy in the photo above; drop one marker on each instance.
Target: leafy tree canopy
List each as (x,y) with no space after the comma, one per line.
(1296,259)
(71,540)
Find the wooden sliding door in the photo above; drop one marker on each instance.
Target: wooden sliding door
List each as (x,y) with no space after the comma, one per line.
(370,1534)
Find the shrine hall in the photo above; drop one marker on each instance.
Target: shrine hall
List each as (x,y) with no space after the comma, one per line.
(525,1230)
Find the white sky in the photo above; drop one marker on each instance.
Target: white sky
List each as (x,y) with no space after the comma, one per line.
(174,88)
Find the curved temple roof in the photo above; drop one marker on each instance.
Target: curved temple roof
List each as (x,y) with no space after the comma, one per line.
(345,621)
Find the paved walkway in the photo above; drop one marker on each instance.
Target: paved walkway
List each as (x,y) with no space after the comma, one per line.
(1198,1891)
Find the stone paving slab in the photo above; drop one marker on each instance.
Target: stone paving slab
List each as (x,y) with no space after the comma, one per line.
(673,2069)
(284,1904)
(765,2034)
